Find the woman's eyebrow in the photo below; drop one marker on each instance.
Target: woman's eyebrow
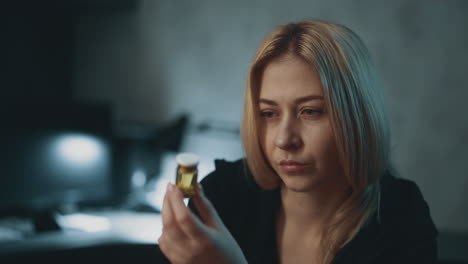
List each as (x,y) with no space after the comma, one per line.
(308,98)
(297,100)
(266,101)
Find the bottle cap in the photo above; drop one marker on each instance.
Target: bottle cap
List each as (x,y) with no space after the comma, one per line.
(187,159)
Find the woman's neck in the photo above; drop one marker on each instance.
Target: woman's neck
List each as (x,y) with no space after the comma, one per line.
(308,211)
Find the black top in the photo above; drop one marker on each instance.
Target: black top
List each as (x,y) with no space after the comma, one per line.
(404,234)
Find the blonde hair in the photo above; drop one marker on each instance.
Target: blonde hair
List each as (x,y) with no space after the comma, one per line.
(357,115)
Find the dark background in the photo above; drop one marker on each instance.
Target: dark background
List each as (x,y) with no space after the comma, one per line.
(151,62)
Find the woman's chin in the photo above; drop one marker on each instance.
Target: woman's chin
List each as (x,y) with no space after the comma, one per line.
(300,184)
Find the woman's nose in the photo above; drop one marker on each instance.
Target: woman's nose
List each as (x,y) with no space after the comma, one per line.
(288,136)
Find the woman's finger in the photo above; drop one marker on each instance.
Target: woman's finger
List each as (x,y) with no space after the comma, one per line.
(166,212)
(171,228)
(173,241)
(185,219)
(175,236)
(205,208)
(171,249)
(207,211)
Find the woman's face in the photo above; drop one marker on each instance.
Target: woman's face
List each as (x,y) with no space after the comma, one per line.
(295,127)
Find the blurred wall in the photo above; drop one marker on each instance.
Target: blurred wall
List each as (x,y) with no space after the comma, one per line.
(35,52)
(168,57)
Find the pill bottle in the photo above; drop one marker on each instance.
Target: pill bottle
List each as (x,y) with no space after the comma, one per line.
(187,173)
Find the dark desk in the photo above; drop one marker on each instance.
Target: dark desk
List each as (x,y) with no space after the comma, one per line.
(91,237)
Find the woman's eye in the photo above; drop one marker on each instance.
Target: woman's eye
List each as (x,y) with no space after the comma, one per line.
(311,112)
(267,114)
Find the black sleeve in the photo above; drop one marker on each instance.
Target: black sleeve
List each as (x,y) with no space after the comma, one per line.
(220,187)
(424,252)
(233,195)
(415,234)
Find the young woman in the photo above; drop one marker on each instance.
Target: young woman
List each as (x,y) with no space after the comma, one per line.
(317,185)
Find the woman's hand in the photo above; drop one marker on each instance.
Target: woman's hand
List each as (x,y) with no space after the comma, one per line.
(185,239)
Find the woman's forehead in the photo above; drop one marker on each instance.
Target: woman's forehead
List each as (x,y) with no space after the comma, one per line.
(290,79)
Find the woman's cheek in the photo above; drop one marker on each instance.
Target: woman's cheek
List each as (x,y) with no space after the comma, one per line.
(269,146)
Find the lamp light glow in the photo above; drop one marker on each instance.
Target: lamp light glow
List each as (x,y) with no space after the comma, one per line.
(139,178)
(79,149)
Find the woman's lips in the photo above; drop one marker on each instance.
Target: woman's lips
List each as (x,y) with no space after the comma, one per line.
(292,166)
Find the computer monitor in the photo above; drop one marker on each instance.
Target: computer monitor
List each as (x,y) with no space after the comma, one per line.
(53,156)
